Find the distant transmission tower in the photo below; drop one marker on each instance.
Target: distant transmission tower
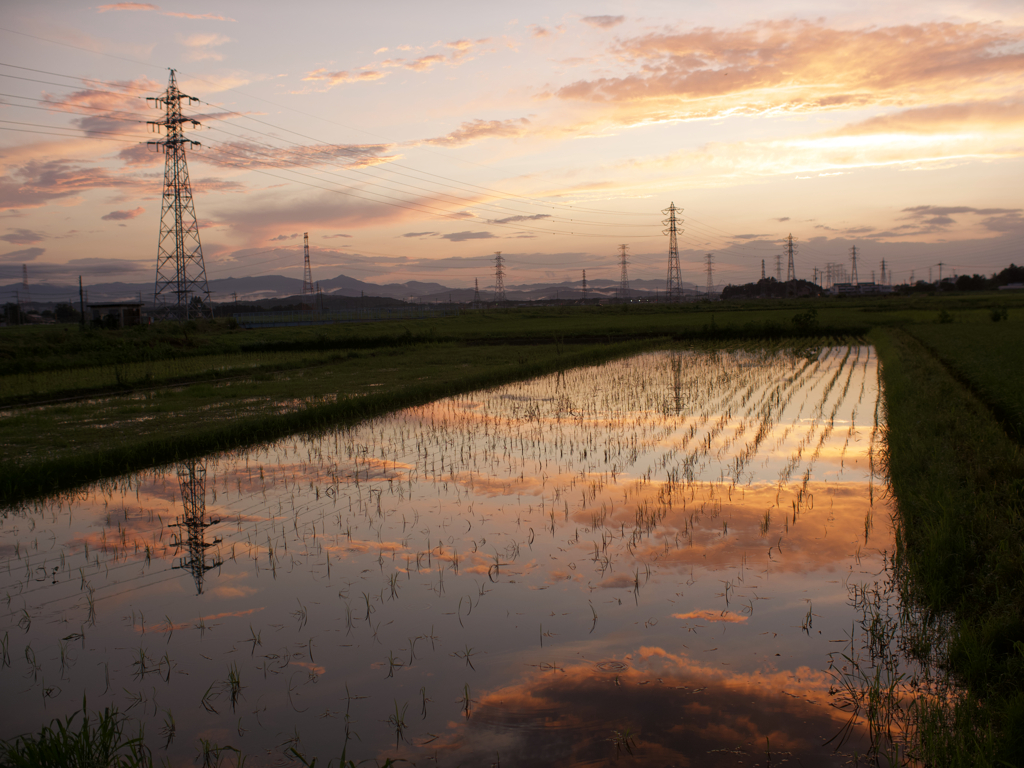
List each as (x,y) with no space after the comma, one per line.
(674,280)
(711,274)
(307,273)
(180,271)
(476,292)
(499,278)
(791,269)
(762,269)
(778,267)
(623,274)
(192,480)
(853,261)
(584,286)
(884,282)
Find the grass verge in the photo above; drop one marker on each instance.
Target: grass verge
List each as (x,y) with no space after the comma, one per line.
(958,480)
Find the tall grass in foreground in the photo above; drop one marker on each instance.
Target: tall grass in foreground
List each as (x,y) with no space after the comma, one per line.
(100,742)
(959,484)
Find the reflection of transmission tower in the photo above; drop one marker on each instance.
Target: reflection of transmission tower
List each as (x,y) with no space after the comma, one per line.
(674,280)
(499,278)
(192,479)
(677,380)
(180,271)
(711,275)
(307,272)
(623,274)
(791,269)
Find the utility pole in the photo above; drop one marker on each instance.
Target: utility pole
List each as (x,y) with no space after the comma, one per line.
(180,270)
(307,273)
(674,280)
(584,286)
(499,278)
(623,274)
(791,269)
(711,276)
(853,262)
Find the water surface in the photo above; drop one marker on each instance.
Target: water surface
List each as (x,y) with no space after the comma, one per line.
(648,561)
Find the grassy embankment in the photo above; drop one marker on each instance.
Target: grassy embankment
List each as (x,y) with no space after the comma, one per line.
(958,476)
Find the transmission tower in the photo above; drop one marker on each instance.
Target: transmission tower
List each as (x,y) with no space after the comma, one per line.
(476,292)
(584,286)
(853,263)
(499,278)
(762,269)
(623,274)
(778,267)
(307,273)
(884,282)
(791,269)
(674,280)
(711,275)
(180,270)
(192,480)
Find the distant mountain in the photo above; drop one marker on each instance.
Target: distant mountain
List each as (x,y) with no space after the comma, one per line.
(265,287)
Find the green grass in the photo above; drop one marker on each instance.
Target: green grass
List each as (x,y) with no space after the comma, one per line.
(958,480)
(986,356)
(100,742)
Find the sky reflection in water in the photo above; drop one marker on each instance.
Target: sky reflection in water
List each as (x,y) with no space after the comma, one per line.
(646,561)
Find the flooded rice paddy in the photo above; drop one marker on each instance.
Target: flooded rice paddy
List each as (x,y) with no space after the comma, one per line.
(656,561)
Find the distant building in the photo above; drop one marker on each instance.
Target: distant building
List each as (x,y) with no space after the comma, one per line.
(860,289)
(1012,287)
(121,315)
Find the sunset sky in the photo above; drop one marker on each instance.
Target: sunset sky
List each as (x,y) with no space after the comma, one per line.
(412,140)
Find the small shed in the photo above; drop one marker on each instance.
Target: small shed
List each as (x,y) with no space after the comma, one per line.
(117,315)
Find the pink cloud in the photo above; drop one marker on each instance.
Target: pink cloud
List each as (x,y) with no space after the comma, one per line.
(122,215)
(476,130)
(156,9)
(603,22)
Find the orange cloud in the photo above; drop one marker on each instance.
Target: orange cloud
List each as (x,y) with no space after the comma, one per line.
(344,76)
(802,66)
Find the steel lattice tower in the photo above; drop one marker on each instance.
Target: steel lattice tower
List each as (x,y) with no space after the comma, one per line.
(307,273)
(853,260)
(711,275)
(674,280)
(584,286)
(623,274)
(192,480)
(499,278)
(476,291)
(180,271)
(791,269)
